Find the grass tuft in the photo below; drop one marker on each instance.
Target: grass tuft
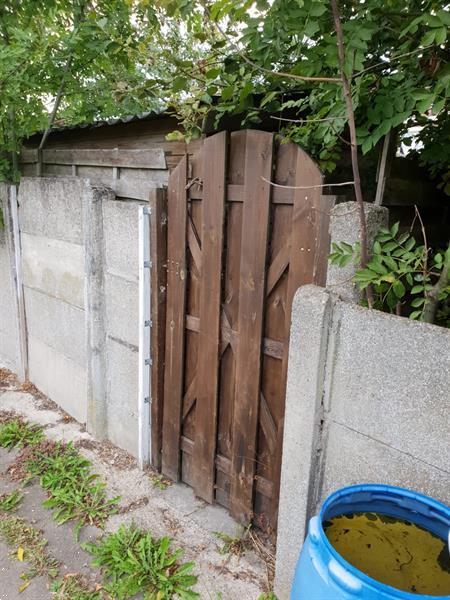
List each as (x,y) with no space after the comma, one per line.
(28,544)
(74,492)
(10,502)
(74,587)
(18,434)
(134,562)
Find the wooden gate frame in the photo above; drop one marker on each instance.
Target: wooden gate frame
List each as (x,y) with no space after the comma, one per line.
(224,175)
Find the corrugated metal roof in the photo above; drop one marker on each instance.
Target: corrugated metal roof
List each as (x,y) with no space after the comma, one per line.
(144,116)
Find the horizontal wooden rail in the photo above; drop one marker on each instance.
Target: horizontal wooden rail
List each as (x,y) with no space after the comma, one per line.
(263,485)
(272,348)
(153,158)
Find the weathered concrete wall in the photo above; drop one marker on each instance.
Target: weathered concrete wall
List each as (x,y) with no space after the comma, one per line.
(80,274)
(368,399)
(9,327)
(51,224)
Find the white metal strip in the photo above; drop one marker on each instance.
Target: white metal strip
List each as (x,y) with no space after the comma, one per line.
(145,387)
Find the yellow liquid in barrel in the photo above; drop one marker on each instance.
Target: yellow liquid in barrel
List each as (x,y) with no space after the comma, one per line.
(392,551)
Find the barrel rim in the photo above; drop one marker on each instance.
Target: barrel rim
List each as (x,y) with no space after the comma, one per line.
(393,491)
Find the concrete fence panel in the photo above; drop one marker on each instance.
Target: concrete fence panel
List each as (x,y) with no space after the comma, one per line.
(368,399)
(80,247)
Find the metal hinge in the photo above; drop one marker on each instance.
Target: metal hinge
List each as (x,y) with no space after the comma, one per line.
(148,362)
(147,264)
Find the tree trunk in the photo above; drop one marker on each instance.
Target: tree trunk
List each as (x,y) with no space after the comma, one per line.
(432,297)
(353,143)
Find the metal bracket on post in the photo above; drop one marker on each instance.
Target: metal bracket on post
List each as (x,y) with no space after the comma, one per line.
(145,362)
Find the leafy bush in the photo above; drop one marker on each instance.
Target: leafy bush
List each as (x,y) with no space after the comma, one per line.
(402,273)
(135,562)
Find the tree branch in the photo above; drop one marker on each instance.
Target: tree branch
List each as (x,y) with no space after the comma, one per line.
(60,92)
(432,297)
(353,142)
(270,71)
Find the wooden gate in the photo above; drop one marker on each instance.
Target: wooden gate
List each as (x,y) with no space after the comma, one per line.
(238,247)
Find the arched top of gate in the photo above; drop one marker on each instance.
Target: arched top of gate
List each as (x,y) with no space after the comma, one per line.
(294,172)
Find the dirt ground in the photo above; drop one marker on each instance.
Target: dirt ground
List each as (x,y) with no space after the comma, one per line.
(172,511)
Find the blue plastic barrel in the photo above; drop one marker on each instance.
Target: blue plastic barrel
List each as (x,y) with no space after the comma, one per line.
(323,574)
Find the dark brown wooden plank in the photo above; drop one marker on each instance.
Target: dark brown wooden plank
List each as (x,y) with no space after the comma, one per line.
(255,229)
(175,320)
(158,249)
(301,271)
(215,149)
(223,464)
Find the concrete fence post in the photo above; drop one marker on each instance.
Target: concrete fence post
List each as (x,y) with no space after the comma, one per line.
(95,310)
(344,227)
(311,322)
(13,335)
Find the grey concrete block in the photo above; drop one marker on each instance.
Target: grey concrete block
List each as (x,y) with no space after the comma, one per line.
(122,309)
(122,373)
(53,207)
(58,324)
(399,391)
(311,313)
(54,267)
(58,377)
(120,222)
(354,458)
(345,227)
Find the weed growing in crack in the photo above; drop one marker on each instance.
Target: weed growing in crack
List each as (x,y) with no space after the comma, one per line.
(236,545)
(74,492)
(74,587)
(134,562)
(10,502)
(18,434)
(28,544)
(158,481)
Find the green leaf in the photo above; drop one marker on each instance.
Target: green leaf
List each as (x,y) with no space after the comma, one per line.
(410,244)
(268,98)
(417,302)
(390,262)
(423,105)
(441,35)
(389,246)
(317,9)
(213,73)
(399,288)
(417,289)
(394,229)
(227,92)
(415,314)
(428,38)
